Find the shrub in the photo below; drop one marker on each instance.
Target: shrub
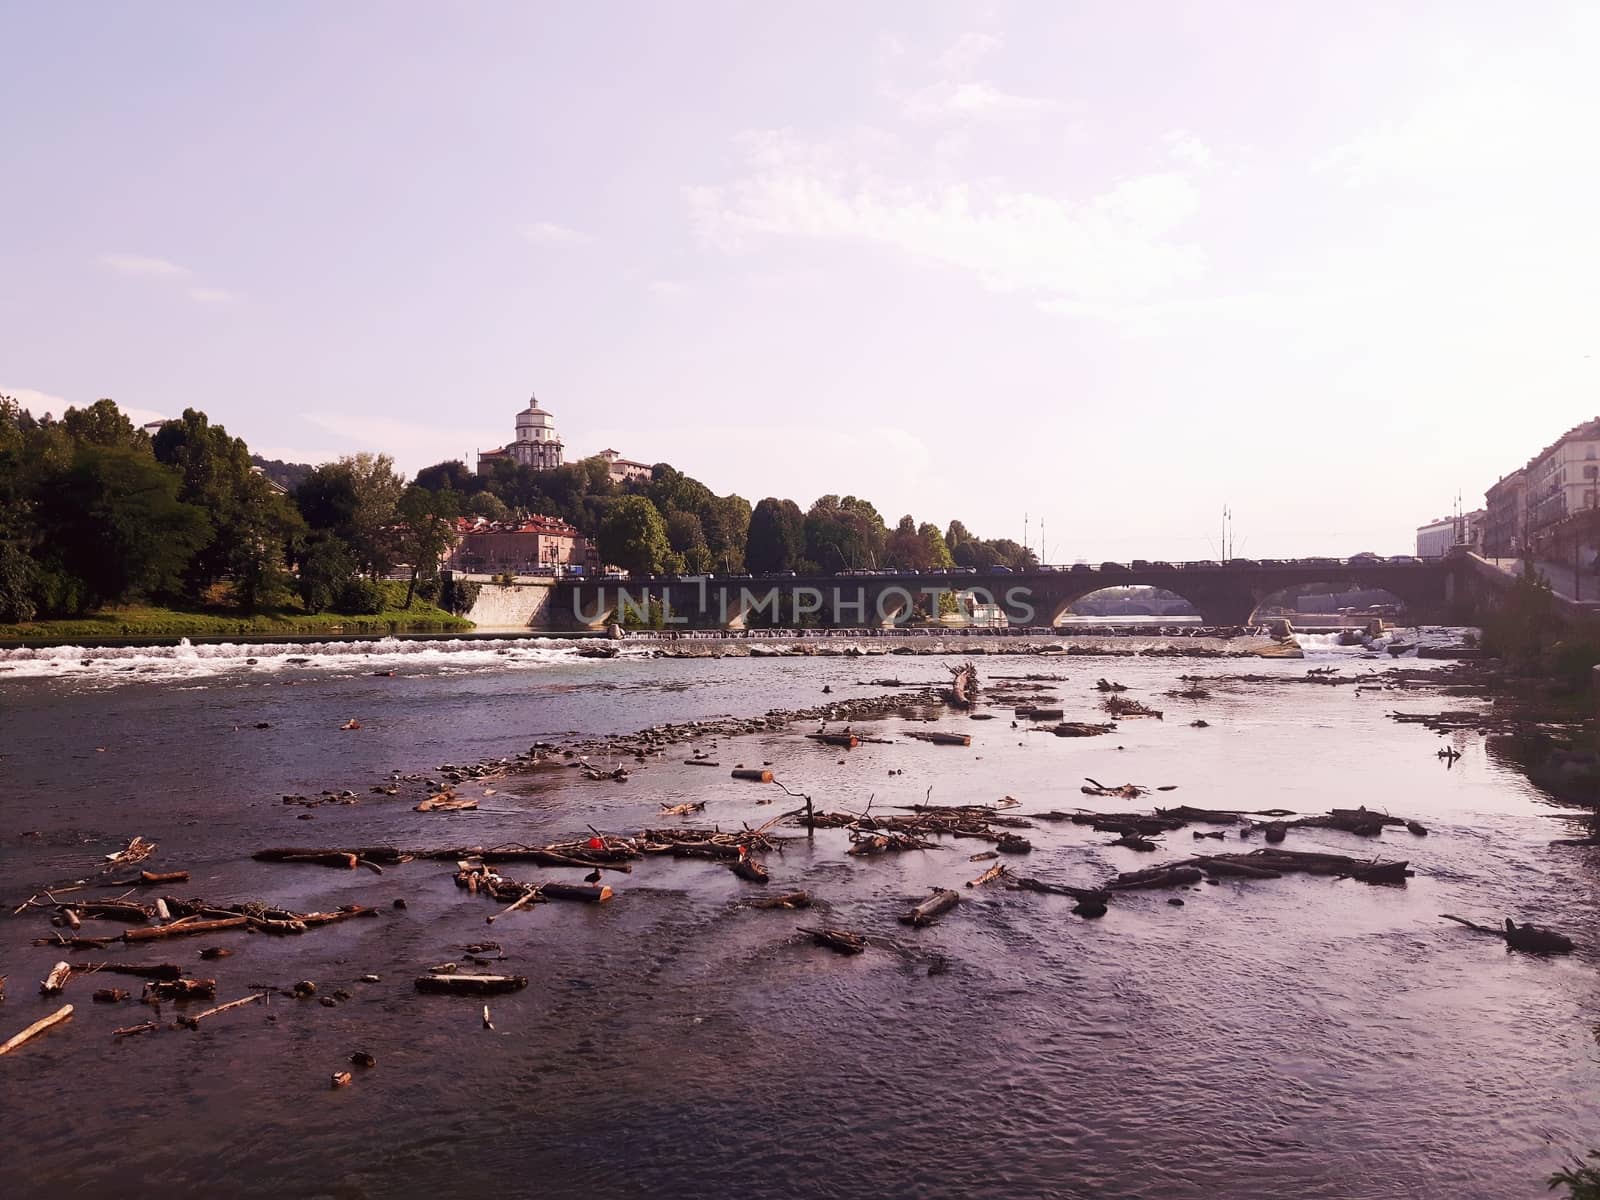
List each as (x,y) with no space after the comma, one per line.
(361,597)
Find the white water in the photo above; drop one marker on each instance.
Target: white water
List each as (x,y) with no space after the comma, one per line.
(186,661)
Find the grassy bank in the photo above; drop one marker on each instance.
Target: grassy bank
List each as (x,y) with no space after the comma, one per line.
(155,621)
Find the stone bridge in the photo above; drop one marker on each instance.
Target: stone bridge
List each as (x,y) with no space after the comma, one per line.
(1223,594)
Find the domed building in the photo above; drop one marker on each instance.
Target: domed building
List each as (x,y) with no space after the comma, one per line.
(537,444)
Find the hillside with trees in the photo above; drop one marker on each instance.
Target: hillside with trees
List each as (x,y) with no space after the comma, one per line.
(96,514)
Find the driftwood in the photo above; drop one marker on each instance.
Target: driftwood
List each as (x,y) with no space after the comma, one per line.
(701,762)
(682,810)
(112,995)
(111,910)
(183,929)
(840,940)
(942,901)
(749,869)
(1121,706)
(998,871)
(180,989)
(847,741)
(1032,713)
(55,982)
(163,877)
(130,1030)
(1156,877)
(143,970)
(76,943)
(753,774)
(941,739)
(963,689)
(1126,791)
(787,900)
(1081,729)
(194,1021)
(470,985)
(1527,937)
(1106,685)
(447,801)
(38,1027)
(1026,884)
(135,851)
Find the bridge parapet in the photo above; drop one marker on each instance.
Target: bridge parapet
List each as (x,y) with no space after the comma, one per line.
(1224,594)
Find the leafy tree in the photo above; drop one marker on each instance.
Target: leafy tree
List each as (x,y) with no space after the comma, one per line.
(454,474)
(488,506)
(956,534)
(427,524)
(251,522)
(326,566)
(356,499)
(113,521)
(844,533)
(18,585)
(104,424)
(633,536)
(726,522)
(938,553)
(777,537)
(688,541)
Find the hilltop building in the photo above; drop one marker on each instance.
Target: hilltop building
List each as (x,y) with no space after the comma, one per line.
(538,445)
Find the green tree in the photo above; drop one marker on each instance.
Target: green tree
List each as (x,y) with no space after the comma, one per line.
(777,537)
(488,506)
(104,424)
(427,526)
(938,553)
(355,498)
(726,523)
(633,536)
(113,522)
(843,534)
(326,567)
(454,474)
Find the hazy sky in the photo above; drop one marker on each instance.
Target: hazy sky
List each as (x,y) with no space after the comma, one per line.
(1114,265)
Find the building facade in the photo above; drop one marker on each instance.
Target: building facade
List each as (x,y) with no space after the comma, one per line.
(536,445)
(624,469)
(1563,479)
(536,546)
(1438,538)
(1505,522)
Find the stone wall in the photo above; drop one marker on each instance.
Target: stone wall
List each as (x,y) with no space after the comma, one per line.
(511,606)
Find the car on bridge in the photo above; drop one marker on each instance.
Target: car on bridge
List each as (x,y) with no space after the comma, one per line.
(1111,568)
(1406,559)
(1081,569)
(999,570)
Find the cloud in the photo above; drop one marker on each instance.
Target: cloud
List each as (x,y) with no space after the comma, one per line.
(668,287)
(967,51)
(138,264)
(1120,242)
(548,233)
(39,403)
(1188,149)
(974,99)
(147,267)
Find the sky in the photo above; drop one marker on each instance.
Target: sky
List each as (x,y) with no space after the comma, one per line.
(1105,267)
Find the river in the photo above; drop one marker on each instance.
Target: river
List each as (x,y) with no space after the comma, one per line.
(1297,1037)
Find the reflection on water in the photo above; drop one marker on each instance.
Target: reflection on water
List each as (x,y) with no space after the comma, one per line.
(1301,1037)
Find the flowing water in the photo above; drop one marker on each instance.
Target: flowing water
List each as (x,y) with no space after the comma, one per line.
(1299,1037)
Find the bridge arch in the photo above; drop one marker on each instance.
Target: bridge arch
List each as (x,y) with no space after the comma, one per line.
(1113,602)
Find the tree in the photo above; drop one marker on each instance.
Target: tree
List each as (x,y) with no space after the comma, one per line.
(688,540)
(955,534)
(488,506)
(906,548)
(844,533)
(427,524)
(326,566)
(355,498)
(113,522)
(104,424)
(633,536)
(938,553)
(777,537)
(726,522)
(454,474)
(250,521)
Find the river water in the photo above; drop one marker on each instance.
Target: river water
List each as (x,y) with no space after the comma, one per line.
(1298,1037)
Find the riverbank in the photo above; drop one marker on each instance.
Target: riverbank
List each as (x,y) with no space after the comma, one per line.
(155,622)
